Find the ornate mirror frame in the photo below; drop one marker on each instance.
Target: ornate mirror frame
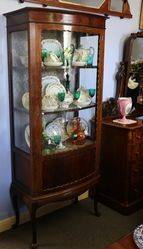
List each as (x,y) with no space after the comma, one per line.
(105,8)
(123,73)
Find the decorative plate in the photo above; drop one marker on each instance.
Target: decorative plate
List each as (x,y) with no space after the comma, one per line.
(84,99)
(53,86)
(25,100)
(54,52)
(51,81)
(27,135)
(62,123)
(138,236)
(49,103)
(79,63)
(132,84)
(57,127)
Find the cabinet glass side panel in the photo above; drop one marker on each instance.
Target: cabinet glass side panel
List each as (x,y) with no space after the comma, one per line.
(20,88)
(69,82)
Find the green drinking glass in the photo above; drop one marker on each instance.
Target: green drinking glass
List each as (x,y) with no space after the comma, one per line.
(58,141)
(91,92)
(44,54)
(61,97)
(76,95)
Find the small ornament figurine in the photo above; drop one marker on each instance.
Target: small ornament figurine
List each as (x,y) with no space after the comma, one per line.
(78,133)
(68,54)
(67,82)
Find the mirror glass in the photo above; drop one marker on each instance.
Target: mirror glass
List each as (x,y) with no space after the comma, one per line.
(135,83)
(116,5)
(137,50)
(89,3)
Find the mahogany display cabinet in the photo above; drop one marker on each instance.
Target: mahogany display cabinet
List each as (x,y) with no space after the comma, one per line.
(54,156)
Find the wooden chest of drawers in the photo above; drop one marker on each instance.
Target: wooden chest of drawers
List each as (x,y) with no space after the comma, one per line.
(122,166)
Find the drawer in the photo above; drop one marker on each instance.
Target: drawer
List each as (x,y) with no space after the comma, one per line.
(136,136)
(136,176)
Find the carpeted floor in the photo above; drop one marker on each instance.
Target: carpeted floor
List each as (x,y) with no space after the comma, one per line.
(74,227)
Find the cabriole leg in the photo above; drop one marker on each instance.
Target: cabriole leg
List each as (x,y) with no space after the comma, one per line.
(33,210)
(76,200)
(95,199)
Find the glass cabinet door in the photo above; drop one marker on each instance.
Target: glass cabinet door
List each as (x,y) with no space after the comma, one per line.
(20,89)
(69,80)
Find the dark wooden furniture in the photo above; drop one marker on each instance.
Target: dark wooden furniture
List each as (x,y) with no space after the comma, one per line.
(119,8)
(39,179)
(124,243)
(121,184)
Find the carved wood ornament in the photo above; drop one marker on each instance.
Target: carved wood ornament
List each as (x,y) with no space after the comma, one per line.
(105,8)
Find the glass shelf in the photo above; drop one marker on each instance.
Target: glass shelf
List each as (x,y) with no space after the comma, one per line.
(66,68)
(69,147)
(70,109)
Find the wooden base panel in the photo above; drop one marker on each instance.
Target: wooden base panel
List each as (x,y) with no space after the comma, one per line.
(125,209)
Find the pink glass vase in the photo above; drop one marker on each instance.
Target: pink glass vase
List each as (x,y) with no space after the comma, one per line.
(125,106)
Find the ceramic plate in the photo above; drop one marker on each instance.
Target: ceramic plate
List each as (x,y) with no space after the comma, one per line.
(62,123)
(132,84)
(27,135)
(138,236)
(25,100)
(53,64)
(49,103)
(57,127)
(55,50)
(79,64)
(47,85)
(51,45)
(53,86)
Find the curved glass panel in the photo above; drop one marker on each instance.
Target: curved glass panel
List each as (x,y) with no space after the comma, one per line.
(20,87)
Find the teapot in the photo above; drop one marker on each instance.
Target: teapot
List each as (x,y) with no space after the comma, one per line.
(83,56)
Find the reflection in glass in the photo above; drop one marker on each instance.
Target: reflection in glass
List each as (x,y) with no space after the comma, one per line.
(116,5)
(20,86)
(135,83)
(89,3)
(137,49)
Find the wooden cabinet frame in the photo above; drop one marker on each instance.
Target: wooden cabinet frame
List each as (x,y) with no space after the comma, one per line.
(104,9)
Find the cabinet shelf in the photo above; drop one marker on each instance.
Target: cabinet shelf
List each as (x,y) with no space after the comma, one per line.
(45,68)
(70,109)
(71,148)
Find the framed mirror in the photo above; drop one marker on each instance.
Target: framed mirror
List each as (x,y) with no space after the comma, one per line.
(116,5)
(130,73)
(91,3)
(119,8)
